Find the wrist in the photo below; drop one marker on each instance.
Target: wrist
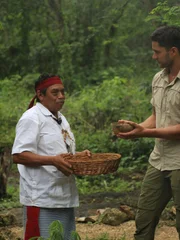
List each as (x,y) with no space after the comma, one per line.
(51,160)
(149,132)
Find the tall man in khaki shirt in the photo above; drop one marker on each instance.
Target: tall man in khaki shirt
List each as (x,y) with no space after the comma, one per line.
(162,179)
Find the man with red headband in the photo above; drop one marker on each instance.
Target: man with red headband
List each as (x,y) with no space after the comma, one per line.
(43,138)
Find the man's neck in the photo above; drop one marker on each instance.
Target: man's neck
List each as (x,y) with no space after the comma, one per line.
(173,71)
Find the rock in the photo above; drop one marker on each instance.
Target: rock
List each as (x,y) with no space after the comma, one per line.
(173,210)
(121,127)
(91,219)
(128,211)
(100,211)
(169,213)
(113,217)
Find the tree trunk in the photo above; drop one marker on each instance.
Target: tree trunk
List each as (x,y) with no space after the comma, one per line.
(5,165)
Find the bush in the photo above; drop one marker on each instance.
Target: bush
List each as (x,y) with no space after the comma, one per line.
(92,111)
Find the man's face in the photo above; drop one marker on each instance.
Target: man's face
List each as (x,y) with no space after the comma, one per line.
(54,98)
(161,55)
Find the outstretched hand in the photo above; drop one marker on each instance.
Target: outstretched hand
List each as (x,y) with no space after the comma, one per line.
(135,133)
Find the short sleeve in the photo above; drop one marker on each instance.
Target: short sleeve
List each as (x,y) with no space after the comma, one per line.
(152,101)
(27,134)
(153,82)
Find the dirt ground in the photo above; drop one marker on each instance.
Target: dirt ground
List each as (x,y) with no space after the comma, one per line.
(89,231)
(93,231)
(124,230)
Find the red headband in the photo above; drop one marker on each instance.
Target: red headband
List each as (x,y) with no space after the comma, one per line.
(48,82)
(45,84)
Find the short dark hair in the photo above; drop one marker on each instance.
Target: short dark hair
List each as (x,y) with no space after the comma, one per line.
(40,79)
(167,36)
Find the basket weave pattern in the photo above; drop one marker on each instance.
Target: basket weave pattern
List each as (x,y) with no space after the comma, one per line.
(99,163)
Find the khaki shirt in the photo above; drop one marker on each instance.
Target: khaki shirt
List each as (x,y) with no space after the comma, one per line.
(166,101)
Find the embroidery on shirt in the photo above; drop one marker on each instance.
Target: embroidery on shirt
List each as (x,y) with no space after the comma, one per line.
(68,140)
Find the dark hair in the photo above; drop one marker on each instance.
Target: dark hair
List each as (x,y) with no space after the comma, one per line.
(41,78)
(167,36)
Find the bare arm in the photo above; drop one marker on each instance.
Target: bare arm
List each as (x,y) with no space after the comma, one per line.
(171,132)
(148,129)
(150,122)
(34,160)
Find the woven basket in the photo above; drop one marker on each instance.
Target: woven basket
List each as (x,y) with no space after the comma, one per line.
(99,163)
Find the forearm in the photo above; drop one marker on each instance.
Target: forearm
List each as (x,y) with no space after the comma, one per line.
(32,159)
(171,132)
(149,122)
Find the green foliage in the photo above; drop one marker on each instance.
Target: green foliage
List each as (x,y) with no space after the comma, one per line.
(56,231)
(165,13)
(14,99)
(135,153)
(92,111)
(114,99)
(12,199)
(104,183)
(103,54)
(80,40)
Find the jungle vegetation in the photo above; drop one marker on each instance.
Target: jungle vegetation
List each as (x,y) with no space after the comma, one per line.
(102,52)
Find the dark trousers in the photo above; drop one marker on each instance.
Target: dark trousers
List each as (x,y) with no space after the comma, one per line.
(158,188)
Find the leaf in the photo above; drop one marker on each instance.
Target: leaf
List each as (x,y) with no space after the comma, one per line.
(75,236)
(56,230)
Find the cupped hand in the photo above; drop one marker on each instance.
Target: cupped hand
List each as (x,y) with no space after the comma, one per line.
(135,133)
(62,164)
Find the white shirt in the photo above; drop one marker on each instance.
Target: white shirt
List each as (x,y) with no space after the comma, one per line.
(44,186)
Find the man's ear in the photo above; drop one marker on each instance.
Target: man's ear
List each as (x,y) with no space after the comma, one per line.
(174,51)
(40,95)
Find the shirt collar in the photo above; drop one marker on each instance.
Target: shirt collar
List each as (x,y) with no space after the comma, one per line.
(164,73)
(178,76)
(46,111)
